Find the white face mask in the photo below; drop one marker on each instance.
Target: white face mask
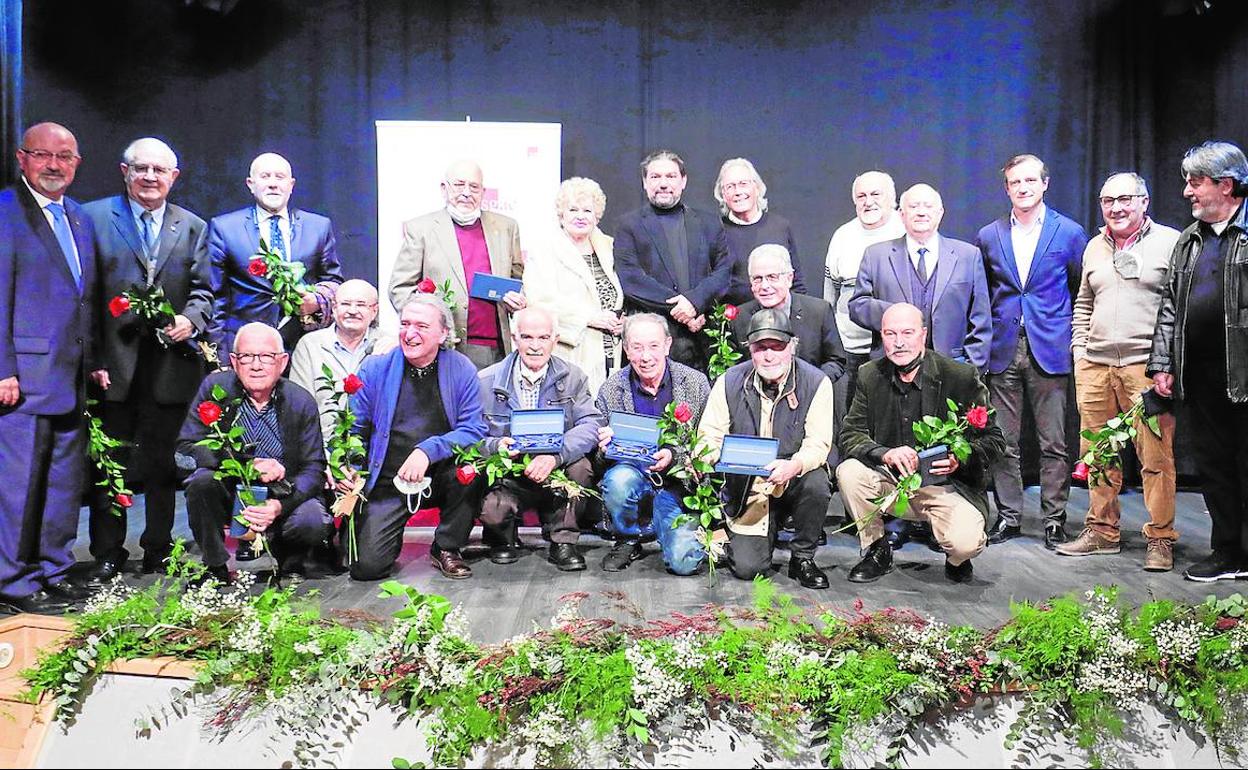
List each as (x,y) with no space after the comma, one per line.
(462,219)
(421,491)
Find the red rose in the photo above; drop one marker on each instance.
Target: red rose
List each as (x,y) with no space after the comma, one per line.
(426,286)
(682,413)
(1225,624)
(352,384)
(1081,471)
(125,501)
(209,412)
(977,417)
(464,474)
(118,305)
(258,267)
(730,312)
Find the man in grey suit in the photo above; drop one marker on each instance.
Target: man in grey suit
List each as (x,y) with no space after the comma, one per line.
(454,243)
(941,276)
(142,240)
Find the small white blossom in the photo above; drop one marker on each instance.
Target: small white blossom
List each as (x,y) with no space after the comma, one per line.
(685,653)
(654,690)
(1179,640)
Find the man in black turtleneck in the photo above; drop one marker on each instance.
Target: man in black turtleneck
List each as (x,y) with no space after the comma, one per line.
(672,259)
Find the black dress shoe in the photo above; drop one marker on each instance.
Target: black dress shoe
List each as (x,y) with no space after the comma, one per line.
(450,563)
(566,558)
(1054,535)
(67,591)
(103,572)
(220,574)
(961,573)
(504,553)
(822,539)
(38,603)
(895,540)
(1000,531)
(876,564)
(154,563)
(245,551)
(621,555)
(806,572)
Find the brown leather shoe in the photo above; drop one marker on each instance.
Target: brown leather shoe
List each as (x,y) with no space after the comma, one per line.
(1160,555)
(1088,543)
(450,563)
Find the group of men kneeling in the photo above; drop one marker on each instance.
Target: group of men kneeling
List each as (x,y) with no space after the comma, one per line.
(422,399)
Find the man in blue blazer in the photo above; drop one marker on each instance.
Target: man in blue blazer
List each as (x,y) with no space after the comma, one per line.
(240,296)
(672,259)
(1034,260)
(47,313)
(143,240)
(943,277)
(418,403)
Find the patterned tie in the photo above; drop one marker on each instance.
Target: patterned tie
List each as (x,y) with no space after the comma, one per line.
(149,245)
(276,241)
(65,237)
(923,264)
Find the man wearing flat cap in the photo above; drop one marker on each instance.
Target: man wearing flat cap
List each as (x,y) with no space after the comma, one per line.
(777,395)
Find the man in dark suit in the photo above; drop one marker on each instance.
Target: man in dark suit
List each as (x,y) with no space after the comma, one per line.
(1034,262)
(672,259)
(47,313)
(943,277)
(241,297)
(143,240)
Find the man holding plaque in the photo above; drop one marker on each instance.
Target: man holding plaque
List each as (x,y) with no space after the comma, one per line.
(912,382)
(774,395)
(526,380)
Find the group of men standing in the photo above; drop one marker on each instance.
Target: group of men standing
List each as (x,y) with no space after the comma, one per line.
(909,318)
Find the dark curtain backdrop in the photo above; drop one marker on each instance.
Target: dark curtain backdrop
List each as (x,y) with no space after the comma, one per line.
(812,91)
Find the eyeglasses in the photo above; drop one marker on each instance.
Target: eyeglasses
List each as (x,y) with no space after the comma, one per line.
(357,305)
(757,280)
(247,359)
(744,184)
(43,156)
(143,169)
(460,184)
(1121,200)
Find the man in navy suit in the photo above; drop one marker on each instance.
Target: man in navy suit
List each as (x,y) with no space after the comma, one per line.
(1034,261)
(47,313)
(143,240)
(672,259)
(300,236)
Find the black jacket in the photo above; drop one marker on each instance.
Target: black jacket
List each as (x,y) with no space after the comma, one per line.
(1170,335)
(814,322)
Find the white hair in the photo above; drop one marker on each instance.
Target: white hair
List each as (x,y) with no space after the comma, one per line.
(150,143)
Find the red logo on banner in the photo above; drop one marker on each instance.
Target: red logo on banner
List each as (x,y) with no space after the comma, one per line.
(533,151)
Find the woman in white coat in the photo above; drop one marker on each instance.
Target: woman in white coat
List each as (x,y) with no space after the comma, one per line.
(573,276)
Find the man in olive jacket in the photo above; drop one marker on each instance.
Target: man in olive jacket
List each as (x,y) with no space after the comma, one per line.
(892,393)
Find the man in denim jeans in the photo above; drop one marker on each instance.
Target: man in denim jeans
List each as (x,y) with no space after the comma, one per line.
(649,383)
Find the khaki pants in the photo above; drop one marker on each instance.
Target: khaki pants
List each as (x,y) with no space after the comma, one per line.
(957,525)
(1102,392)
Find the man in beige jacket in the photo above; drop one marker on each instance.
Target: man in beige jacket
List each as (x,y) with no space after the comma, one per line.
(453,244)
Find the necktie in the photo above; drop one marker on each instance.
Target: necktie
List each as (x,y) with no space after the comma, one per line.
(923,264)
(276,241)
(65,237)
(149,244)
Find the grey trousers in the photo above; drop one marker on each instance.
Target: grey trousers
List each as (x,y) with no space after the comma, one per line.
(1024,382)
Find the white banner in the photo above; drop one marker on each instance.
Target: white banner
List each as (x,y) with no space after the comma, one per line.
(520,163)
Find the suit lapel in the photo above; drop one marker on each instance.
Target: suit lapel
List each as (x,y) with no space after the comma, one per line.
(253,231)
(571,259)
(124,223)
(39,225)
(499,251)
(1007,248)
(946,266)
(900,261)
(650,222)
(933,393)
(1047,231)
(444,231)
(86,249)
(296,227)
(170,233)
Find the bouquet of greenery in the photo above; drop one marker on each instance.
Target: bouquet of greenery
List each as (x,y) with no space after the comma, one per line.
(1106,444)
(724,351)
(100,448)
(286,277)
(346,450)
(235,462)
(929,432)
(501,464)
(693,466)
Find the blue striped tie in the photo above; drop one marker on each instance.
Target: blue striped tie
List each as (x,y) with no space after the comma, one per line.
(65,237)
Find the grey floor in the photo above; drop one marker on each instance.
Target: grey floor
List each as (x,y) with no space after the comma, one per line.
(502,601)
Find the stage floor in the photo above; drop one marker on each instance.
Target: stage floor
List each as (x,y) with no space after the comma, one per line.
(502,601)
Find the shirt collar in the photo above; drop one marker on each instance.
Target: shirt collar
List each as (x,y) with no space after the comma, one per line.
(1042,211)
(1133,239)
(40,198)
(663,383)
(264,215)
(932,245)
(527,376)
(158,214)
(783,384)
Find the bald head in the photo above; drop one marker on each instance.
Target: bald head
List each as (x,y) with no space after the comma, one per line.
(48,159)
(355,308)
(271,182)
(921,212)
(258,334)
(903,332)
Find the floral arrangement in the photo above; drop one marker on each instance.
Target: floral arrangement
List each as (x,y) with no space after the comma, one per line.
(929,432)
(345,449)
(148,303)
(427,286)
(1105,446)
(499,465)
(693,466)
(235,464)
(100,449)
(1082,666)
(724,353)
(286,277)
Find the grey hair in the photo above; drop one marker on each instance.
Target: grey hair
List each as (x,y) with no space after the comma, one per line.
(916,188)
(448,320)
(529,310)
(646,318)
(1023,158)
(1218,160)
(889,184)
(770,250)
(1141,187)
(132,149)
(662,155)
(753,172)
(263,329)
(579,188)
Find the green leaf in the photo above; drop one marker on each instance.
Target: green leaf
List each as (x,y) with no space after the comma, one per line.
(218,393)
